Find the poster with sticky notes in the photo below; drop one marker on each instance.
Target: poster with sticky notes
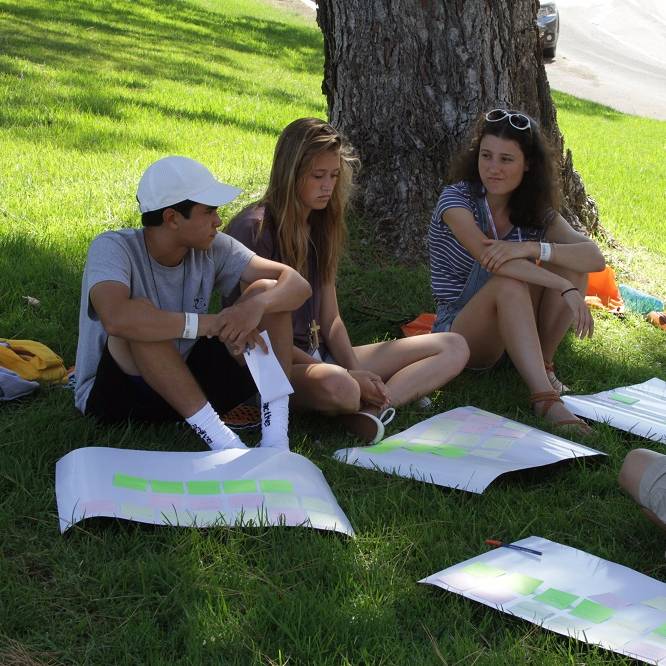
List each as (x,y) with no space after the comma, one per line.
(639,409)
(570,592)
(196,489)
(466,448)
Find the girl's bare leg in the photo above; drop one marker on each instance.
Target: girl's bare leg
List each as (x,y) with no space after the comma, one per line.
(324,387)
(413,367)
(501,317)
(554,317)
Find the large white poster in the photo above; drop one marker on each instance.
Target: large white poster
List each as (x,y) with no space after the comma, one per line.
(570,592)
(639,409)
(465,448)
(234,487)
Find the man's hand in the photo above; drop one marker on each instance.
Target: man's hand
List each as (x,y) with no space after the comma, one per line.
(373,389)
(236,325)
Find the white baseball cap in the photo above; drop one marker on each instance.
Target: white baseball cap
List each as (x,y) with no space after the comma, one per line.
(174,179)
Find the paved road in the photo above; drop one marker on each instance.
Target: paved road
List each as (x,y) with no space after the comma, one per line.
(610,51)
(613,52)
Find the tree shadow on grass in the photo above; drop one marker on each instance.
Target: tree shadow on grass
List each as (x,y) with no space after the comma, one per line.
(71,61)
(153,37)
(30,267)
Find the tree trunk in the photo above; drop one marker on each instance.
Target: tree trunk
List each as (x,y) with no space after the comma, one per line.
(406,79)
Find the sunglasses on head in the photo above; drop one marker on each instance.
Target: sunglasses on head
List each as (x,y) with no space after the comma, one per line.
(518,121)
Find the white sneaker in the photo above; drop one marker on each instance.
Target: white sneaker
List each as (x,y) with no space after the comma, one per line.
(368,427)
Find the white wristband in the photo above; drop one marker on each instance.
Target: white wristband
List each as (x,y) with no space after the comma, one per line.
(191,326)
(546,251)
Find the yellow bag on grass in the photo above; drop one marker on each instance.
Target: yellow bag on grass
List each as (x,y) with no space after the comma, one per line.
(32,360)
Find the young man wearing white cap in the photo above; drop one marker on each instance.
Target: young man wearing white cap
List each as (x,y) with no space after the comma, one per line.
(148,349)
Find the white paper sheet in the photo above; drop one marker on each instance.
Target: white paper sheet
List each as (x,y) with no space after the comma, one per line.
(639,409)
(570,592)
(268,375)
(465,448)
(234,487)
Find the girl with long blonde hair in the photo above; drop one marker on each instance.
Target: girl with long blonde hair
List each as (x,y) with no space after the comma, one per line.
(300,221)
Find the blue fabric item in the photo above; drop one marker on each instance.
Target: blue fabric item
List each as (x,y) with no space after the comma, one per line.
(477,278)
(638,301)
(13,386)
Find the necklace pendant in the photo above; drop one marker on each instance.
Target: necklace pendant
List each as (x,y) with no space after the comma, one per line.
(314,335)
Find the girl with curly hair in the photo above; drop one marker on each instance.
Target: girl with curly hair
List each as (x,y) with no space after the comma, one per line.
(508,272)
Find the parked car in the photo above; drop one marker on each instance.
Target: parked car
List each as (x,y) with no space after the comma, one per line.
(548,20)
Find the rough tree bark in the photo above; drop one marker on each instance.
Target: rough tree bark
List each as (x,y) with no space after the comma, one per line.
(405,79)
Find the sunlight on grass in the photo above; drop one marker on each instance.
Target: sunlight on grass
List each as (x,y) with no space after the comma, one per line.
(622,161)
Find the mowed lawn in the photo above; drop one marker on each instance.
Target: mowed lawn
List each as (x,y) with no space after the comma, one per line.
(93,92)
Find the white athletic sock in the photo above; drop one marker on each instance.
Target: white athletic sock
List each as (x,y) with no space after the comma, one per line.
(274,423)
(210,427)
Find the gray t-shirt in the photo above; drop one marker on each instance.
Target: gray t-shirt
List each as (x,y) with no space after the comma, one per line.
(121,256)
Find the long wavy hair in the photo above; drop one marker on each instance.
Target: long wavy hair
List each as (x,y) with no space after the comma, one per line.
(300,142)
(538,194)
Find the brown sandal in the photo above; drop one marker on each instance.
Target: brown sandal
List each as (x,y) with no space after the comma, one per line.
(549,398)
(552,378)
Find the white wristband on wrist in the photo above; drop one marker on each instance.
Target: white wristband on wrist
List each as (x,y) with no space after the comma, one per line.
(191,326)
(546,251)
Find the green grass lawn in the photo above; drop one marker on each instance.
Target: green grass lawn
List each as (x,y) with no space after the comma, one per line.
(92,93)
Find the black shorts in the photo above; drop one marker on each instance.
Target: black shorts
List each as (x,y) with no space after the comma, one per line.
(115,396)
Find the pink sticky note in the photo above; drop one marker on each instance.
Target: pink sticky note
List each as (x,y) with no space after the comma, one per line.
(246,501)
(98,508)
(168,502)
(205,503)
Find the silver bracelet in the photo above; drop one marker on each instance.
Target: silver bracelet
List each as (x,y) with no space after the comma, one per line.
(191,326)
(546,251)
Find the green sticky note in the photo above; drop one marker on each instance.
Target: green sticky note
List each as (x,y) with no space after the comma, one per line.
(276,486)
(660,630)
(522,584)
(204,487)
(281,501)
(316,504)
(512,425)
(379,448)
(464,439)
(481,570)
(419,448)
(618,397)
(556,598)
(500,443)
(172,487)
(132,482)
(393,443)
(386,446)
(240,486)
(658,602)
(590,610)
(449,451)
(136,512)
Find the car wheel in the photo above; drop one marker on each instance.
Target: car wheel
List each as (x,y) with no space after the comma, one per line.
(549,52)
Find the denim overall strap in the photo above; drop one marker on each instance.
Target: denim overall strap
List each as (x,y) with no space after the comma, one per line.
(477,278)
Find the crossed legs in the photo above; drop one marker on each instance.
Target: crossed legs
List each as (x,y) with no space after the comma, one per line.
(410,368)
